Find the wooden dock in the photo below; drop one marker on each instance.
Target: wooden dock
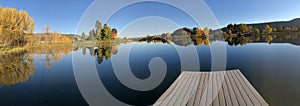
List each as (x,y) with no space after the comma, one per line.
(221,88)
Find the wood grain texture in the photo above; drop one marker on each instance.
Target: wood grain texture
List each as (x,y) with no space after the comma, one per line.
(218,88)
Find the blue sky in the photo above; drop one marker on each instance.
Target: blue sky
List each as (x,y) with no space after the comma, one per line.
(61,15)
(142,18)
(64,15)
(254,11)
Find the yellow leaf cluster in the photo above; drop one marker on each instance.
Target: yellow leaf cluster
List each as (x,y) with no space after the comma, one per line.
(14,25)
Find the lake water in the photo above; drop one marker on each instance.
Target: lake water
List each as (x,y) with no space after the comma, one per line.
(46,77)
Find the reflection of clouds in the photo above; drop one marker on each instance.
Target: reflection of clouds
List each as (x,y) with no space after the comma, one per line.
(15,68)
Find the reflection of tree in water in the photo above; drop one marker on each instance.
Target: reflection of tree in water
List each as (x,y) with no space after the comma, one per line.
(243,40)
(238,40)
(201,40)
(15,68)
(114,49)
(269,39)
(293,38)
(91,49)
(84,51)
(105,51)
(256,38)
(51,54)
(155,39)
(99,55)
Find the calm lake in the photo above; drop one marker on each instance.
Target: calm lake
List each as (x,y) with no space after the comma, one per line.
(46,77)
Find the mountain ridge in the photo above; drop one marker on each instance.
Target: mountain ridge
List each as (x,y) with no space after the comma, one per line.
(275,24)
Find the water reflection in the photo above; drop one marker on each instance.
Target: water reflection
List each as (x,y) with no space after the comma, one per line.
(19,67)
(201,40)
(102,51)
(232,40)
(180,37)
(15,68)
(264,73)
(243,40)
(139,58)
(50,54)
(154,39)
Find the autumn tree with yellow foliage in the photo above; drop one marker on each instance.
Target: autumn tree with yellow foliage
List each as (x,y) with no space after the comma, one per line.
(198,31)
(16,29)
(268,28)
(48,38)
(14,26)
(206,31)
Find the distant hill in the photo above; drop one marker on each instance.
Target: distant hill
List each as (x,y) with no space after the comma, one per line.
(71,36)
(291,23)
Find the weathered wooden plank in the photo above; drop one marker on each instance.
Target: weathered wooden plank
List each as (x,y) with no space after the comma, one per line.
(241,89)
(170,89)
(205,92)
(226,91)
(236,90)
(248,91)
(180,89)
(221,88)
(231,91)
(176,86)
(220,78)
(209,89)
(200,82)
(182,95)
(215,92)
(252,89)
(191,89)
(200,90)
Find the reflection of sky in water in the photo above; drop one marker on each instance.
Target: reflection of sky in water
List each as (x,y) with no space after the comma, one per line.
(139,58)
(272,69)
(48,86)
